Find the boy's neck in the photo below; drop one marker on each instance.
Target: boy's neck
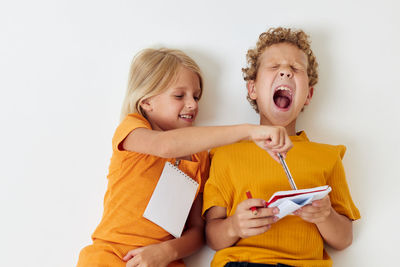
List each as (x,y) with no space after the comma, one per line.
(290,128)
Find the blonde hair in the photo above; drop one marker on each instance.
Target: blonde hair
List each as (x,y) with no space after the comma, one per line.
(275,36)
(151,72)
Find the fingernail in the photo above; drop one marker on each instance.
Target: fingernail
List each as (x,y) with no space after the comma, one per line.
(275,211)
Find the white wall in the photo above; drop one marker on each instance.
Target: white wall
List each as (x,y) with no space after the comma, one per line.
(63,71)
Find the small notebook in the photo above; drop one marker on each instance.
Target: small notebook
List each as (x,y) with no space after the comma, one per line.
(172,199)
(290,201)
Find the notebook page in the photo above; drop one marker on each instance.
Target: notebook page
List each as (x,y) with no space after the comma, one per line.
(172,199)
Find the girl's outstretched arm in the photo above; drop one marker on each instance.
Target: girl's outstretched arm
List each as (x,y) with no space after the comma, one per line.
(159,255)
(189,140)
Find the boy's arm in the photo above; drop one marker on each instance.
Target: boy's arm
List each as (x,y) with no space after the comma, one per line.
(219,230)
(163,253)
(223,231)
(189,140)
(336,229)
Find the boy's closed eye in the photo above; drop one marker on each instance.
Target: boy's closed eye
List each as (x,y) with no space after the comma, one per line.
(297,67)
(273,66)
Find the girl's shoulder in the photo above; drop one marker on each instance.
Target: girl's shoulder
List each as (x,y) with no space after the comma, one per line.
(135,119)
(128,124)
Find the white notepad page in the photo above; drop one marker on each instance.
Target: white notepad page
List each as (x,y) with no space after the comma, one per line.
(172,199)
(292,200)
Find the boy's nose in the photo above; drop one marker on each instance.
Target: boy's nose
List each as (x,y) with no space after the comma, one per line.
(285,73)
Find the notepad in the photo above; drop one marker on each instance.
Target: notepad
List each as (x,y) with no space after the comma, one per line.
(290,201)
(170,203)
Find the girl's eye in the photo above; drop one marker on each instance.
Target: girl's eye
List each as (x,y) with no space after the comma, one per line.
(178,96)
(196,98)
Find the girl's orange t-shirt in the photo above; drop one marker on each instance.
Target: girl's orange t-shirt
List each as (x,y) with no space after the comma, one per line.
(132,179)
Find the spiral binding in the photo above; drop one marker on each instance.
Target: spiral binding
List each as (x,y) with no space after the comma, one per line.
(188,178)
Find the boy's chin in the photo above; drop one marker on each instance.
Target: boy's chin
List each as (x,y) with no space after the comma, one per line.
(278,121)
(281,123)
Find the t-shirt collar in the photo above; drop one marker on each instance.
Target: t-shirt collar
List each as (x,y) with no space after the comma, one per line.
(299,137)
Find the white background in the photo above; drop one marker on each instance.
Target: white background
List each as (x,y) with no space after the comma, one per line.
(63,71)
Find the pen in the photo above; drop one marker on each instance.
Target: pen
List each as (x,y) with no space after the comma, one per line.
(289,176)
(253,209)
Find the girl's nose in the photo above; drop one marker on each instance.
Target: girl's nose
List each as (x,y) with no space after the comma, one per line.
(191,104)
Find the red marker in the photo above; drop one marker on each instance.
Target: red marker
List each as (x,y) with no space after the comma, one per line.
(253,209)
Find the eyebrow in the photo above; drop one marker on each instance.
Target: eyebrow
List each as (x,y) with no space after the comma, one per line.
(300,64)
(294,63)
(196,91)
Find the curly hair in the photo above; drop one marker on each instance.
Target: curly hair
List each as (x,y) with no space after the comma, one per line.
(275,36)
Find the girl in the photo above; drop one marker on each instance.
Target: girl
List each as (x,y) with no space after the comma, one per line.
(160,105)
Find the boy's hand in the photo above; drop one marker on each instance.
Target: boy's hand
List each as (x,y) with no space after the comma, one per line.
(316,212)
(273,139)
(246,224)
(148,256)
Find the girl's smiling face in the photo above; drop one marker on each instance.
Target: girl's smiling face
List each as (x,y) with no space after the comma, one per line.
(177,106)
(281,87)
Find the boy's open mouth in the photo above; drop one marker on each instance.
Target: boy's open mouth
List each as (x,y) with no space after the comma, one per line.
(283,97)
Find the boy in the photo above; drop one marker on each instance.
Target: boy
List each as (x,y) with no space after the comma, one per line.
(280,78)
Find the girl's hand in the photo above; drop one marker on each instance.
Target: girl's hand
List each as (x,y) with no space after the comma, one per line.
(246,224)
(150,256)
(316,212)
(273,139)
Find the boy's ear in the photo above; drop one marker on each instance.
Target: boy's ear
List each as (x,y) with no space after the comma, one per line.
(309,96)
(145,104)
(251,89)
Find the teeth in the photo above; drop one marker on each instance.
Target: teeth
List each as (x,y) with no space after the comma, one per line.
(186,116)
(284,88)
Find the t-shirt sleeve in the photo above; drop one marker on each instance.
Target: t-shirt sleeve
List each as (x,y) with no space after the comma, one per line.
(204,169)
(130,123)
(340,196)
(217,188)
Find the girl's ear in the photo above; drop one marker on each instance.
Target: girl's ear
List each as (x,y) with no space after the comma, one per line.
(251,89)
(145,104)
(309,96)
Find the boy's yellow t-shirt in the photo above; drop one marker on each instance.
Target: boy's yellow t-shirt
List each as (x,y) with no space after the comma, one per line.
(244,166)
(132,179)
